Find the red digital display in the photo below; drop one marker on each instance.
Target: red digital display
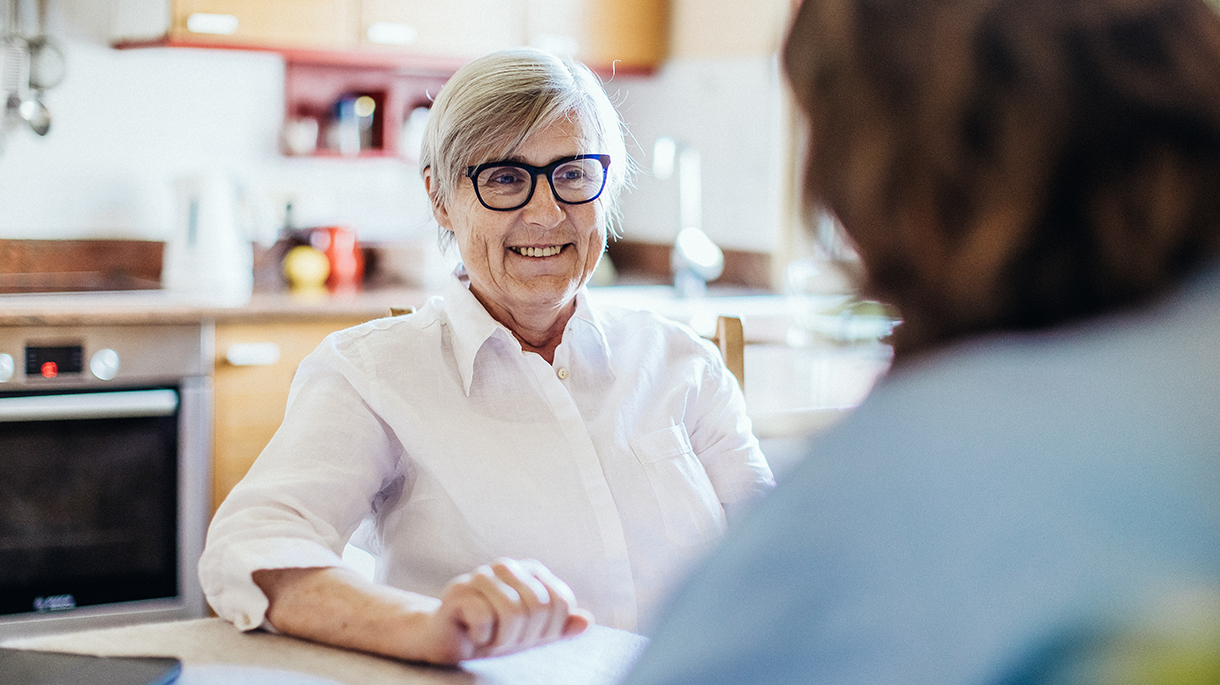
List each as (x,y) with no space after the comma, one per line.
(53,361)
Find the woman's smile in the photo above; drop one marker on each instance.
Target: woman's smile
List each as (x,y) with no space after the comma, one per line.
(538,252)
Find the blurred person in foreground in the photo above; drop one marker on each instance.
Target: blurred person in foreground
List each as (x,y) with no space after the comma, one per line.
(525,461)
(1035,184)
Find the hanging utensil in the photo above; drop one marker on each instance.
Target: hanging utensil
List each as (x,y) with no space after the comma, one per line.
(47,63)
(36,114)
(14,74)
(46,70)
(9,70)
(14,77)
(28,66)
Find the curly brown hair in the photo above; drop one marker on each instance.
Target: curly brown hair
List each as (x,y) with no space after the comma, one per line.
(1012,164)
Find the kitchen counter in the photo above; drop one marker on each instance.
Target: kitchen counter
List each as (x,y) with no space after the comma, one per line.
(141,307)
(213,652)
(792,390)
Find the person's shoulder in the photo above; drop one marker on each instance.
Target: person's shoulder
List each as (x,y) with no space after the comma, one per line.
(634,322)
(413,329)
(656,337)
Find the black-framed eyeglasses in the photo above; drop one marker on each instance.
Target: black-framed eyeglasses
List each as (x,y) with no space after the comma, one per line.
(505,186)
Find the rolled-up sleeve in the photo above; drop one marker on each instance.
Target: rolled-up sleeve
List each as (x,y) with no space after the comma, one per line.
(307,492)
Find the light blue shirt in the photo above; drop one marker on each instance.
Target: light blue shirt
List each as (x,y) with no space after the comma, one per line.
(981,500)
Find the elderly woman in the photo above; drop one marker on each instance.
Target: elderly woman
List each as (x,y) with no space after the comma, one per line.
(1036,185)
(525,460)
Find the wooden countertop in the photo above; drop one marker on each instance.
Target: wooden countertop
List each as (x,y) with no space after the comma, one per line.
(146,307)
(213,652)
(790,390)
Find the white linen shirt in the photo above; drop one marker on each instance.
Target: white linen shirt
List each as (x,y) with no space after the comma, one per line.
(611,466)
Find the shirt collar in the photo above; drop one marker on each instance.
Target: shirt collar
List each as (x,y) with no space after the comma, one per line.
(598,352)
(472,327)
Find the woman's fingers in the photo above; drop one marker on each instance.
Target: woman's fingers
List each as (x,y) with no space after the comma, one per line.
(542,610)
(577,622)
(479,619)
(511,610)
(561,600)
(521,604)
(464,624)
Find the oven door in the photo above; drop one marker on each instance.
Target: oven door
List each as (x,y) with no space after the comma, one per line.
(90,501)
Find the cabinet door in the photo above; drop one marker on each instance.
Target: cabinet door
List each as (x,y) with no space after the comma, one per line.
(314,24)
(454,28)
(630,35)
(251,390)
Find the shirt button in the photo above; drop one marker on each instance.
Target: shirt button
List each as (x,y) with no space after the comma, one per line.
(563,374)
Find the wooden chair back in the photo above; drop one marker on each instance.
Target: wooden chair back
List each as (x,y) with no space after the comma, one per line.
(732,343)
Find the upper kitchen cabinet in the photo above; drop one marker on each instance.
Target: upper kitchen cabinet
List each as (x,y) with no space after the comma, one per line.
(605,34)
(729,29)
(301,24)
(608,35)
(460,29)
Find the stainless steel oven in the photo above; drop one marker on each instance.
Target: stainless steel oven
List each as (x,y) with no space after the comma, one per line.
(104,475)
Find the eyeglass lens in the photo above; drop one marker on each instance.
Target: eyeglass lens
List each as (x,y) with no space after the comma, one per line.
(508,186)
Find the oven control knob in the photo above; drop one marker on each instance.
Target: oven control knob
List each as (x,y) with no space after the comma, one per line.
(7,367)
(105,364)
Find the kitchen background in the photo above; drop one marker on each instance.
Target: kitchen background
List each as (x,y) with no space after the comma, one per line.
(134,173)
(127,122)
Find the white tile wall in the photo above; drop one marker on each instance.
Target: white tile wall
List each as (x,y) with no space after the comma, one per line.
(731,111)
(127,122)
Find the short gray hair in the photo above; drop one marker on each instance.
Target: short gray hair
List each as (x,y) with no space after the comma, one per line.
(487,110)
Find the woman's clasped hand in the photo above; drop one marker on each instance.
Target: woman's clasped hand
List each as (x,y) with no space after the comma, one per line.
(498,608)
(502,608)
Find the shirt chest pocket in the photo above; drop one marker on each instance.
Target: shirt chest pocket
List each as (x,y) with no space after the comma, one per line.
(689,506)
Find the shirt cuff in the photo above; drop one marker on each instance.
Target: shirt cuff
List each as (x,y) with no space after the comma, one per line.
(240,600)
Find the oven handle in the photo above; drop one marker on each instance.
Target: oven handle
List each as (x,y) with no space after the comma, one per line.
(89,405)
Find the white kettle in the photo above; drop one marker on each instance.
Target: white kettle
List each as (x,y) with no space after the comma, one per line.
(209,257)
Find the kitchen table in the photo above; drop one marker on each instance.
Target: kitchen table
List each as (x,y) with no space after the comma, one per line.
(213,652)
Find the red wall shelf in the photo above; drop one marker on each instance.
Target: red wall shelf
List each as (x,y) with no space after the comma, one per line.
(312,89)
(314,80)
